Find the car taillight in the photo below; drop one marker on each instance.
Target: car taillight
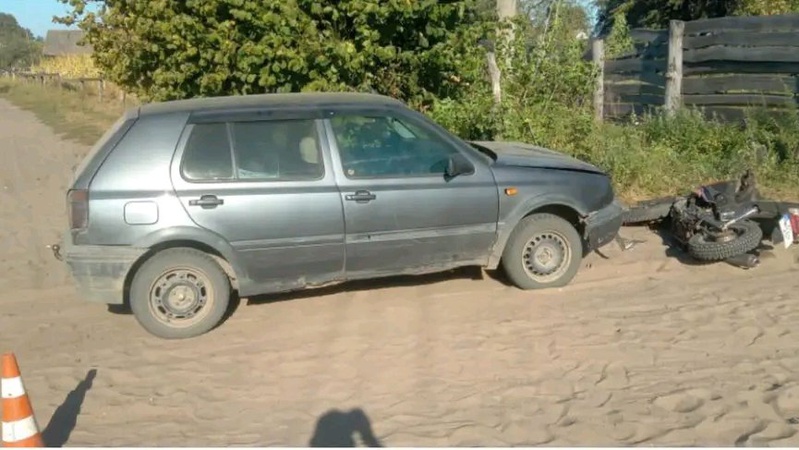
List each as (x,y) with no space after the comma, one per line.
(78,208)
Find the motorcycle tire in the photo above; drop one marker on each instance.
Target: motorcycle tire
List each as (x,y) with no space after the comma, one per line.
(749,236)
(648,211)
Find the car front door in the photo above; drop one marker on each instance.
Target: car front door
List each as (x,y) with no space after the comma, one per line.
(402,213)
(266,187)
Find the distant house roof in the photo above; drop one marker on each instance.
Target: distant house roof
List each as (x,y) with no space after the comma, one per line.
(64,42)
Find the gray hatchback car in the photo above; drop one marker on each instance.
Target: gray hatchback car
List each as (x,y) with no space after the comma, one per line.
(183,204)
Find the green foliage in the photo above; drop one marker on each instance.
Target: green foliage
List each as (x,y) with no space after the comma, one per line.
(170,49)
(547,101)
(657,13)
(571,13)
(18,48)
(548,71)
(75,115)
(766,7)
(618,40)
(425,53)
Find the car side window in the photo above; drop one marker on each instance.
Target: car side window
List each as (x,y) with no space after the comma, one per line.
(381,146)
(277,150)
(274,150)
(207,156)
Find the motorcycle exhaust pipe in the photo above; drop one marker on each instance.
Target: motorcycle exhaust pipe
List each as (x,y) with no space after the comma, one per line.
(744,261)
(754,210)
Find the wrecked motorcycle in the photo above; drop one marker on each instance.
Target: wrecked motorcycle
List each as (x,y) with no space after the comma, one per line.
(721,221)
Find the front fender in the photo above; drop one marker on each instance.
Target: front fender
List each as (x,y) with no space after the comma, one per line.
(508,222)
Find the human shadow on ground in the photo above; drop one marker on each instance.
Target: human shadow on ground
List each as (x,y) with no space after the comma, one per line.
(65,417)
(337,428)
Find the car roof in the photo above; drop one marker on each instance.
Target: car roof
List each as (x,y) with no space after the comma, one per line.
(285,100)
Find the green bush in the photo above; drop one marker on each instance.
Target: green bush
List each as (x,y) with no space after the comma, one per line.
(547,101)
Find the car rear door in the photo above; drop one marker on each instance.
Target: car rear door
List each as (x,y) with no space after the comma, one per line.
(402,214)
(266,187)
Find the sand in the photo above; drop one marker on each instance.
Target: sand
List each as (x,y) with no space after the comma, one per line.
(642,349)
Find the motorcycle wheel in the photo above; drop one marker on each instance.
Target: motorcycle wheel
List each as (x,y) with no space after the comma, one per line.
(648,211)
(739,238)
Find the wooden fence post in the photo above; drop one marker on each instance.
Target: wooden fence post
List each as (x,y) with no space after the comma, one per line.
(598,54)
(674,70)
(494,74)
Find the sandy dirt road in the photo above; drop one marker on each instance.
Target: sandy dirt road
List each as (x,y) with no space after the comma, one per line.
(641,349)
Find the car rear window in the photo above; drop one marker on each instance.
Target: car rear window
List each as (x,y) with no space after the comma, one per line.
(99,144)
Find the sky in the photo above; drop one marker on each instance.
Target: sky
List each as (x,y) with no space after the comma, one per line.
(36,15)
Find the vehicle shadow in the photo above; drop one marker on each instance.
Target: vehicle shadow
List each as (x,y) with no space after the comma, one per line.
(65,417)
(463,273)
(337,428)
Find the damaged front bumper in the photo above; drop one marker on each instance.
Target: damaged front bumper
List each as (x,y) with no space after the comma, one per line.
(602,226)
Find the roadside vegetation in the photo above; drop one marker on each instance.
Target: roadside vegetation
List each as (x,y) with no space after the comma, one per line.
(75,115)
(431,58)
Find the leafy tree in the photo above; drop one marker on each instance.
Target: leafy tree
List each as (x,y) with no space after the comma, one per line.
(657,13)
(549,78)
(571,15)
(766,7)
(171,49)
(18,47)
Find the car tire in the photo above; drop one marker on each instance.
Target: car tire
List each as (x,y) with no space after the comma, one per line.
(555,238)
(179,293)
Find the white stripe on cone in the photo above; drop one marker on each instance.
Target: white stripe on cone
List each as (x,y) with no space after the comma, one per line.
(12,387)
(19,430)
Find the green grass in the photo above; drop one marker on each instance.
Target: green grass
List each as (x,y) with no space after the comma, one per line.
(78,116)
(663,156)
(658,156)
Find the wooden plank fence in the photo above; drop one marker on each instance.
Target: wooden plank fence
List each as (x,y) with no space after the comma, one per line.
(721,65)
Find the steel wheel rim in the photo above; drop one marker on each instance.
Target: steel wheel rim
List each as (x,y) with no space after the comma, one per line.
(181,297)
(734,232)
(546,256)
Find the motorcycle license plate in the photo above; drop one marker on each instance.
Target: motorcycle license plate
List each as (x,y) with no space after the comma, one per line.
(786,230)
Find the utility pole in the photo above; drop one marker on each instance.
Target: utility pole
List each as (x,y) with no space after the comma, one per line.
(507,10)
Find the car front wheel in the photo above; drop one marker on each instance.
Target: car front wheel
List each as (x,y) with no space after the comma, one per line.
(544,251)
(179,293)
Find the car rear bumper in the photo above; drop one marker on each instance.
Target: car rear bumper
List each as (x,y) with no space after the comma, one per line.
(602,226)
(99,271)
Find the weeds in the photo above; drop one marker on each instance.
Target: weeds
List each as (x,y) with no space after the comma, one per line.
(75,115)
(547,101)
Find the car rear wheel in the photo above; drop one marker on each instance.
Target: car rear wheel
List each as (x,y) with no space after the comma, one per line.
(544,251)
(179,293)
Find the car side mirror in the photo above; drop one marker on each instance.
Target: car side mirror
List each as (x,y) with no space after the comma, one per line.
(458,165)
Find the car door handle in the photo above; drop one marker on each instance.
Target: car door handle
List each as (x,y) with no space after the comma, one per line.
(361,197)
(207,201)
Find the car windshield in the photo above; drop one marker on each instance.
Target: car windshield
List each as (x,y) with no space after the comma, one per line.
(479,150)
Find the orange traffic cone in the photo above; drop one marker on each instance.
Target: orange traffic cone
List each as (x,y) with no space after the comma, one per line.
(19,425)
